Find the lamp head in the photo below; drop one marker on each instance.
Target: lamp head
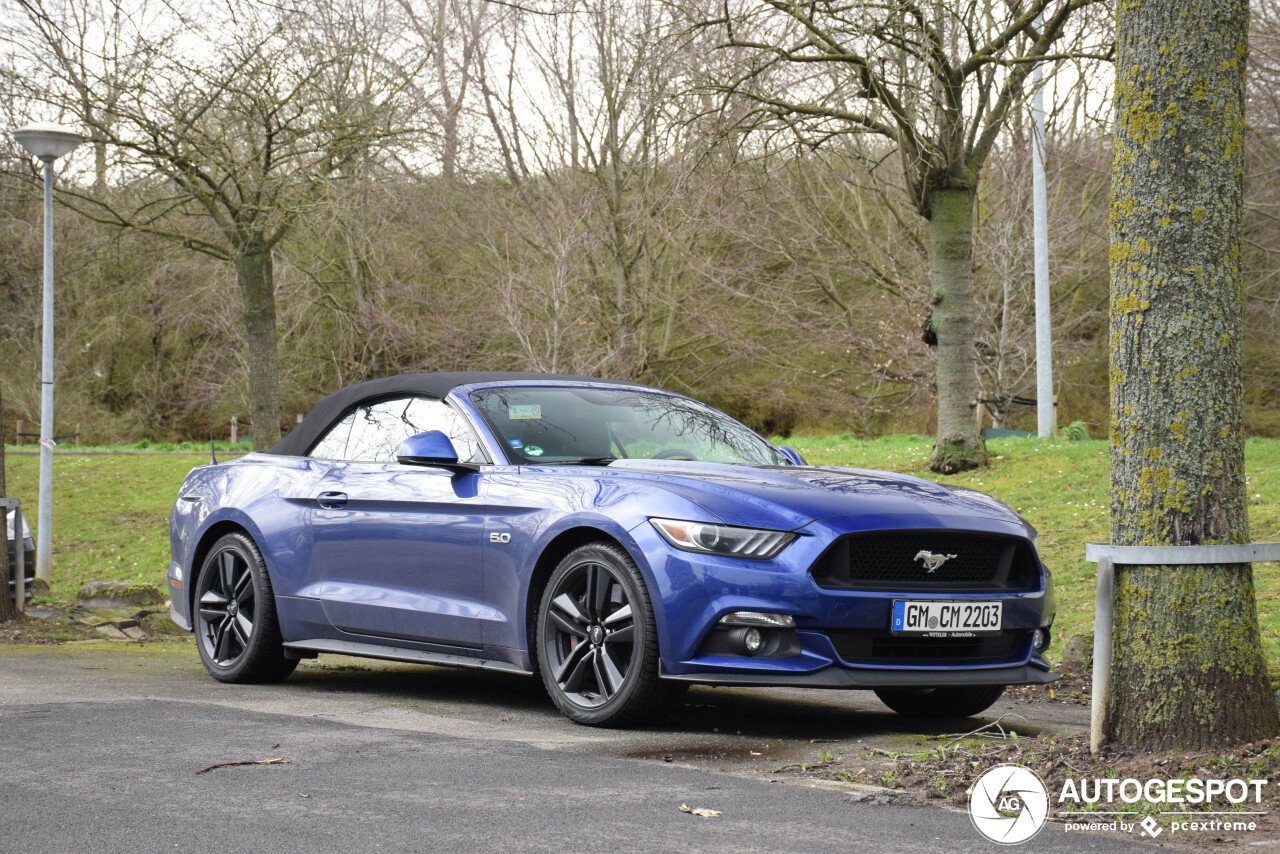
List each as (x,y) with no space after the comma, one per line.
(47,140)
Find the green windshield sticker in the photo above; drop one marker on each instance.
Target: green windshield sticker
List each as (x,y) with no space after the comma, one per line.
(524,410)
(533,450)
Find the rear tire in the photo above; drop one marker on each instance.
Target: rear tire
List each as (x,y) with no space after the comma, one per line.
(236,626)
(960,702)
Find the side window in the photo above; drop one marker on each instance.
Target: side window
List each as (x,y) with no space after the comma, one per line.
(334,443)
(380,427)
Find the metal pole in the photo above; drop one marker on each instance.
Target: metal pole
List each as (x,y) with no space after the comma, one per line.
(1103,619)
(44,531)
(1045,410)
(1107,556)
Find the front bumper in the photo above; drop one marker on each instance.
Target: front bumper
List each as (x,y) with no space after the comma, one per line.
(695,591)
(178,598)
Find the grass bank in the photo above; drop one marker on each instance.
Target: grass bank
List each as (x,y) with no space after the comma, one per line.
(111,512)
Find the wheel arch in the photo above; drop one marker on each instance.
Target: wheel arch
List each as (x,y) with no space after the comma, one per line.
(555,551)
(211,535)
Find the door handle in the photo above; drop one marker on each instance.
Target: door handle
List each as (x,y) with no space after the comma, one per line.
(332,500)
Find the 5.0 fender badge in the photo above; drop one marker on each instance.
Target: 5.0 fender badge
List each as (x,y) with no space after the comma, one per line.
(931,560)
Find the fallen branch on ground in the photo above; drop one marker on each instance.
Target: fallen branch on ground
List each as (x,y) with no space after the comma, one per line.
(242,762)
(983,731)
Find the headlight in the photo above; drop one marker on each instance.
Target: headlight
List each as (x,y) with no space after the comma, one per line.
(727,540)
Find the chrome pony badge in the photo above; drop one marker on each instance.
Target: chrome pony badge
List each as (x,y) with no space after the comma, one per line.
(931,560)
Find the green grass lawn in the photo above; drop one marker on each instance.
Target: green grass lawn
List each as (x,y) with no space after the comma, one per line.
(111,512)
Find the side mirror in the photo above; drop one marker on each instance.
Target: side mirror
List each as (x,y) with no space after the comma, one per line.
(792,454)
(433,449)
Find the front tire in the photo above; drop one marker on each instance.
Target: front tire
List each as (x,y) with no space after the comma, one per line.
(237,630)
(597,639)
(960,702)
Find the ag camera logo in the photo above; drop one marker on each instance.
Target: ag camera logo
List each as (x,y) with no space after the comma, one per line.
(1009,804)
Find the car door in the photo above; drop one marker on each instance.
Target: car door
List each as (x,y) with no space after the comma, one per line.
(396,548)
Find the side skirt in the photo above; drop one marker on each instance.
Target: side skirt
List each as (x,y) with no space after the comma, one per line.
(394,653)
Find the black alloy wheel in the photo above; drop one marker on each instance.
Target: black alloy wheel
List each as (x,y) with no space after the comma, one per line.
(598,647)
(237,632)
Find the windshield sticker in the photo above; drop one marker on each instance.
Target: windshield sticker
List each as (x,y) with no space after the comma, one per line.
(515,443)
(533,451)
(524,410)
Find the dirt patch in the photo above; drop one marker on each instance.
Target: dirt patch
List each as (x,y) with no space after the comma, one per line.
(57,627)
(53,624)
(1074,687)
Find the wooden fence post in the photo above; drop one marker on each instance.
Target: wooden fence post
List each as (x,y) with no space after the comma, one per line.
(17,439)
(235,430)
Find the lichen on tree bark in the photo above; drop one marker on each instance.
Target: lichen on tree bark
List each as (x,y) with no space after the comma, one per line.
(1189,669)
(6,607)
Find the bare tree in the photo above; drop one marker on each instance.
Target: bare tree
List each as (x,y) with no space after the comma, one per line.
(227,129)
(936,81)
(453,33)
(584,105)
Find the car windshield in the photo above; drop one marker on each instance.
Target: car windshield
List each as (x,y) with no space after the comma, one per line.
(591,425)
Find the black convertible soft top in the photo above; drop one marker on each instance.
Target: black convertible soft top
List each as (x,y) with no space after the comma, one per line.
(331,406)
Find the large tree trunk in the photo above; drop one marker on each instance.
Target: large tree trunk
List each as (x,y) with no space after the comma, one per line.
(1189,670)
(6,606)
(8,610)
(3,494)
(257,289)
(958,445)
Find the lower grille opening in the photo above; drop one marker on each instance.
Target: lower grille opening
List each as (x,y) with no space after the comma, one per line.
(879,646)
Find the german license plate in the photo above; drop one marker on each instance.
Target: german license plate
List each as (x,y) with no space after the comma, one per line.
(946,619)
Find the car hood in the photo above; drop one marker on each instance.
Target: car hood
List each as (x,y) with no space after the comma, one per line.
(789,497)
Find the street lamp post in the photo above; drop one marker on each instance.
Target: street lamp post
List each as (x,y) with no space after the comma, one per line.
(1046,412)
(48,142)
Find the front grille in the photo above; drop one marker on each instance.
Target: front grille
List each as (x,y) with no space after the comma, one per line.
(878,646)
(888,561)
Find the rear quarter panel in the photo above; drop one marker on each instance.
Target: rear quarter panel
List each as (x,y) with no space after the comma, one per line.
(265,495)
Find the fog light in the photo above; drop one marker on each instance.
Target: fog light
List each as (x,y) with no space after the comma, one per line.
(753,640)
(1040,640)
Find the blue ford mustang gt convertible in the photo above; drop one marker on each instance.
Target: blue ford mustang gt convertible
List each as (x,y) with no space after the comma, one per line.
(618,541)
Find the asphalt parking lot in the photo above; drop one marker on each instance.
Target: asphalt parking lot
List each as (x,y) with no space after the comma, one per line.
(100,744)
